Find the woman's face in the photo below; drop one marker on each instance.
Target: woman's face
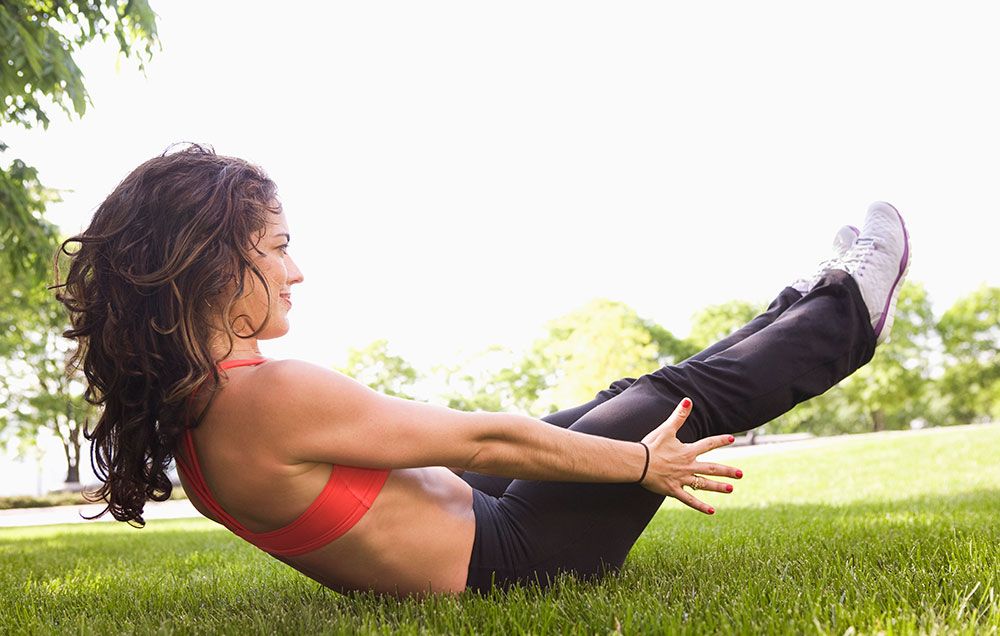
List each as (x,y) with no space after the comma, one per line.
(280,271)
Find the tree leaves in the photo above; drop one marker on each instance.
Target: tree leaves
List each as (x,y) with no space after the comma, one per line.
(39,38)
(376,367)
(585,349)
(27,240)
(970,333)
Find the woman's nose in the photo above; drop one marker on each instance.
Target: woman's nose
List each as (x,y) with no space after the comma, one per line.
(294,273)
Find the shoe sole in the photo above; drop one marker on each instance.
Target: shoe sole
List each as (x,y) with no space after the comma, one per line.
(884,325)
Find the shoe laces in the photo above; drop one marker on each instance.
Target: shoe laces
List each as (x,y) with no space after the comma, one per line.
(857,257)
(834,262)
(828,264)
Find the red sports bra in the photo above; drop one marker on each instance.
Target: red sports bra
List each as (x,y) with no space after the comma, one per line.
(347,496)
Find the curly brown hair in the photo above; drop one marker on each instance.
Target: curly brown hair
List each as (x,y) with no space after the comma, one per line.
(165,257)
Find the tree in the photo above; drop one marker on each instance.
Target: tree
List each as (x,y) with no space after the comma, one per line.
(27,240)
(39,38)
(579,354)
(584,351)
(671,348)
(35,389)
(970,333)
(715,322)
(490,380)
(375,366)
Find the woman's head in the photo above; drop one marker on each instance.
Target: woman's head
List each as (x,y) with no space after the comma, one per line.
(261,310)
(182,262)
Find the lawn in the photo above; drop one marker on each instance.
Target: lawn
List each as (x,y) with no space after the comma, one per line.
(891,533)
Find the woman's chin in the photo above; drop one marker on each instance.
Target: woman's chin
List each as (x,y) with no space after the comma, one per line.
(274,331)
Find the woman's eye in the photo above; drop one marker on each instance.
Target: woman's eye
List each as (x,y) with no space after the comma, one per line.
(283,248)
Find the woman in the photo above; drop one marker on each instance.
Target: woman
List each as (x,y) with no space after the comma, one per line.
(185,267)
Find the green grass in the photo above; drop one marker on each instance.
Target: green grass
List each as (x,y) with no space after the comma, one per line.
(892,534)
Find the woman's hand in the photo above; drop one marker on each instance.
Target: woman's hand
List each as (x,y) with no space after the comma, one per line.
(673,464)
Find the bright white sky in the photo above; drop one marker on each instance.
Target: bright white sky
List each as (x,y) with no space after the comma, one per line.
(455,174)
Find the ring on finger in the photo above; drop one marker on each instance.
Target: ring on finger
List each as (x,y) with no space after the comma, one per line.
(698,483)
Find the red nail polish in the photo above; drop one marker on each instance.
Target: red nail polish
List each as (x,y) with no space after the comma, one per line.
(729,488)
(711,511)
(739,474)
(686,403)
(731,439)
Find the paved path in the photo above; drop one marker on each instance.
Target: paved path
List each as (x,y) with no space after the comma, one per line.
(797,442)
(172,509)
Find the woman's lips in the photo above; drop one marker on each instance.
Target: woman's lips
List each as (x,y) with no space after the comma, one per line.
(287,299)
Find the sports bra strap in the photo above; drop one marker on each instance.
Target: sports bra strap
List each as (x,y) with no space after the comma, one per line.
(193,467)
(245,362)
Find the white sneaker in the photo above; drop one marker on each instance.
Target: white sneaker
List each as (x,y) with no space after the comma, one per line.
(842,242)
(878,262)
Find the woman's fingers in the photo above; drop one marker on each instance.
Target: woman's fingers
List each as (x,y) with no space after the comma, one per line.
(711,443)
(700,483)
(680,414)
(687,498)
(673,451)
(719,470)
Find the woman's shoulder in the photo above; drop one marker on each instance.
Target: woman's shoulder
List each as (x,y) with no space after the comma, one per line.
(289,384)
(284,401)
(281,373)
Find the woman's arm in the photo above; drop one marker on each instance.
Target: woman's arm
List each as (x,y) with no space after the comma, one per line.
(326,416)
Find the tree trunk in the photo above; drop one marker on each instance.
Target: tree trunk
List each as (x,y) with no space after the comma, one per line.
(71,446)
(73,474)
(878,420)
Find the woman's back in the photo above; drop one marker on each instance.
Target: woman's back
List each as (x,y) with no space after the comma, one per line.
(242,464)
(420,514)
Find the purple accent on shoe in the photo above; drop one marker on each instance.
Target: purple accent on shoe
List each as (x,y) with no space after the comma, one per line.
(856,231)
(902,268)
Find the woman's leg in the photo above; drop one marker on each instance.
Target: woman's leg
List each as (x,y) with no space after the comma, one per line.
(493,485)
(785,299)
(537,528)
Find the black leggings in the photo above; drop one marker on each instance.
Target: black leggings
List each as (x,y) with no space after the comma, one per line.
(527,531)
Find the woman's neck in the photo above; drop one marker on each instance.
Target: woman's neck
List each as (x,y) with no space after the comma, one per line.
(242,349)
